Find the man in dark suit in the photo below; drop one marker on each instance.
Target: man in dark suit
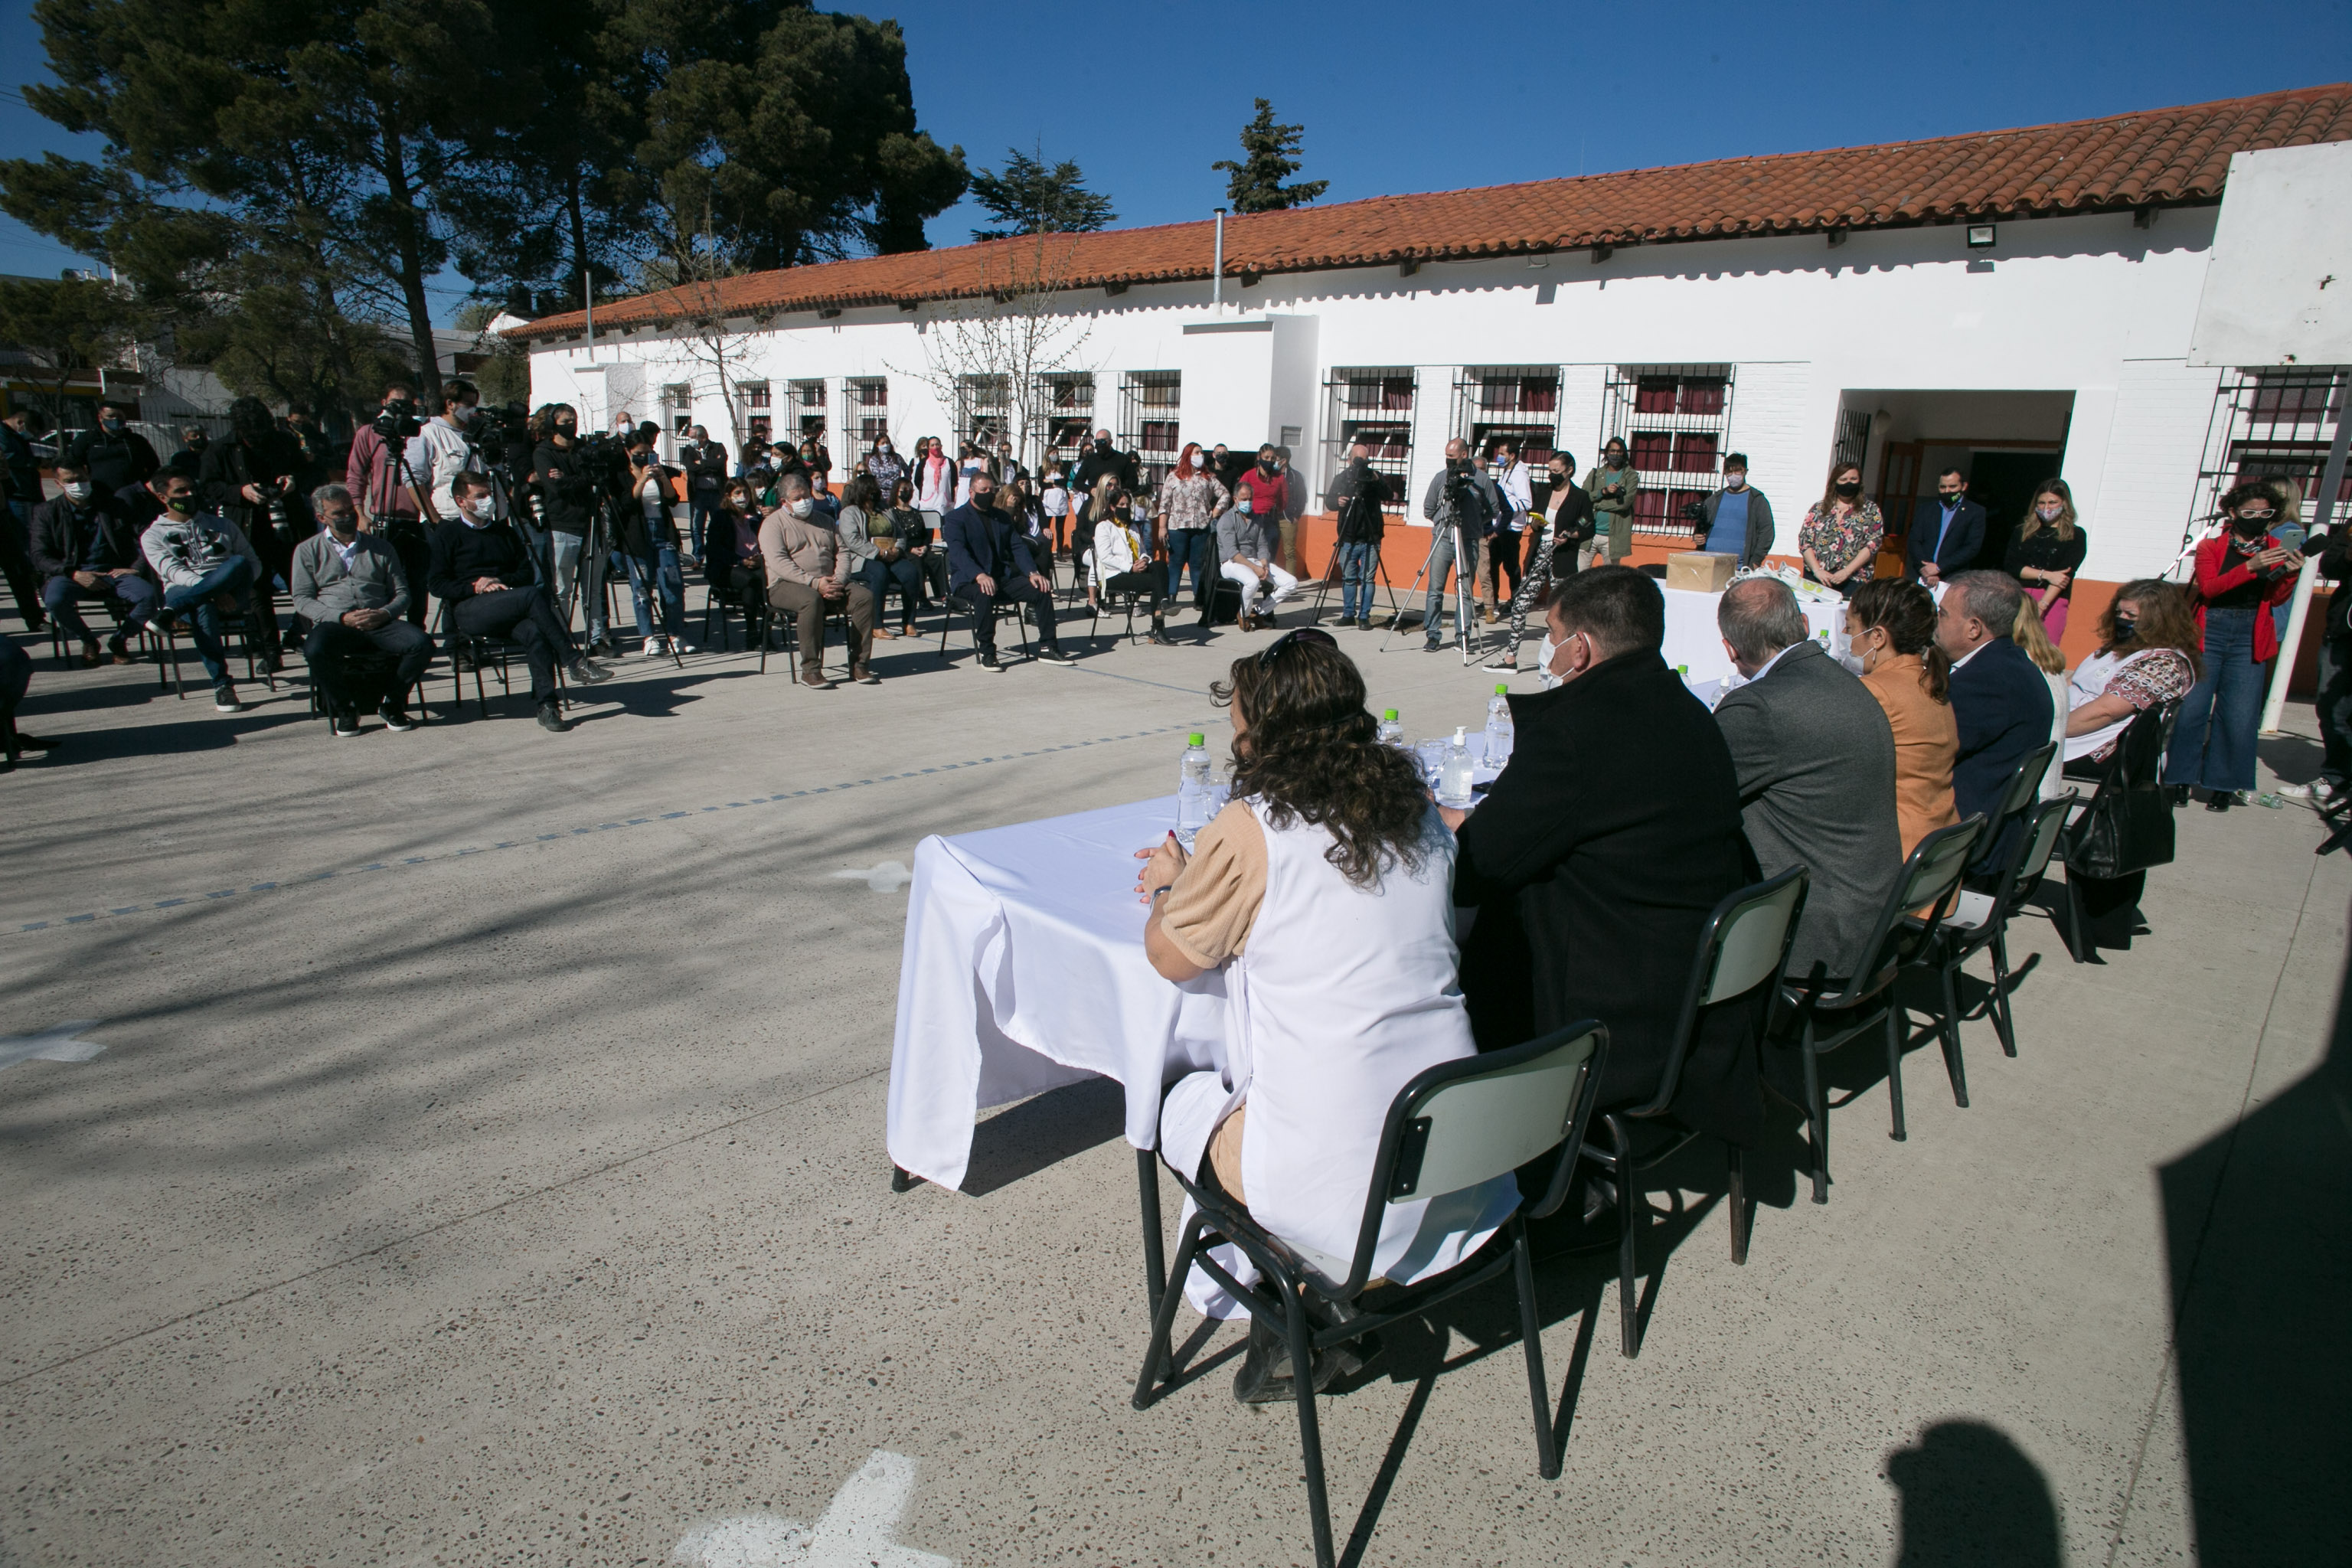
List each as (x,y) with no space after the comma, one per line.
(989,563)
(1816,763)
(1598,854)
(1946,532)
(1999,698)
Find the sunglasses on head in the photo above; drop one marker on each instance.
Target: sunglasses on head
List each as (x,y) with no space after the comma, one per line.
(1303,634)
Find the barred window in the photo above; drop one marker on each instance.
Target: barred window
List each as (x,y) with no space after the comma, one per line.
(1151,415)
(1675,421)
(1373,404)
(865,408)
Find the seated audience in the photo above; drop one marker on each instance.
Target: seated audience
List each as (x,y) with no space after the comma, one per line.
(1327,882)
(887,560)
(205,563)
(2033,641)
(2002,704)
(1815,759)
(732,564)
(1121,562)
(1246,543)
(2149,653)
(1600,853)
(481,570)
(352,589)
(990,563)
(808,572)
(916,545)
(1890,625)
(86,550)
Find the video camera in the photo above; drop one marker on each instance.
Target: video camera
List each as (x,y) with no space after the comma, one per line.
(397,421)
(501,436)
(1694,511)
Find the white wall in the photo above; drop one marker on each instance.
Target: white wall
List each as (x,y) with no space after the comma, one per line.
(2089,307)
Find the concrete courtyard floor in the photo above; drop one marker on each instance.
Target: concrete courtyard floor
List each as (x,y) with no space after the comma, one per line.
(484,1165)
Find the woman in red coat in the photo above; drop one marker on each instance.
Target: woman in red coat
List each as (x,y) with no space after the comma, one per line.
(2242,572)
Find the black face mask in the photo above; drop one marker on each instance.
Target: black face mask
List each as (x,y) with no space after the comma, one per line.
(199,444)
(1265,466)
(1849,488)
(1616,459)
(2125,628)
(1104,448)
(2253,527)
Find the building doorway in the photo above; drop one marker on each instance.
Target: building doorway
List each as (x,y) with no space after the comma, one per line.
(2003,484)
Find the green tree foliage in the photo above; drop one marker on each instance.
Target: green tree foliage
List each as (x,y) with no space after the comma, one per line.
(1269,156)
(67,327)
(1031,197)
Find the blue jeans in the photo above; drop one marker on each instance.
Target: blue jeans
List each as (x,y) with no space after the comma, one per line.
(877,575)
(1358,564)
(566,551)
(1197,545)
(661,577)
(1433,602)
(233,575)
(136,596)
(2213,742)
(702,508)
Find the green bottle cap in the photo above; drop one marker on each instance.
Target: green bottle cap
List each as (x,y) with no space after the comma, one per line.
(1194,739)
(1388,712)
(1502,689)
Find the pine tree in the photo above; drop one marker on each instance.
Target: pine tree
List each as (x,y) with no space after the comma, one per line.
(1255,185)
(1031,197)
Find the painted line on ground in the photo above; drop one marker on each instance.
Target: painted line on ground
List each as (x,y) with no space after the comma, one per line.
(526,840)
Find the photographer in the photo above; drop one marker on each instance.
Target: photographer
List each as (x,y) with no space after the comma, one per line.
(567,479)
(1354,501)
(376,473)
(444,446)
(1459,504)
(649,520)
(704,461)
(249,479)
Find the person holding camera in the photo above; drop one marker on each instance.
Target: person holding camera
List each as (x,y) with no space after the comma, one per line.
(444,446)
(1460,503)
(565,476)
(376,473)
(249,479)
(649,541)
(1354,501)
(2242,572)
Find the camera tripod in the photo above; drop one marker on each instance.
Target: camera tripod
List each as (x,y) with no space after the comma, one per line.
(1463,586)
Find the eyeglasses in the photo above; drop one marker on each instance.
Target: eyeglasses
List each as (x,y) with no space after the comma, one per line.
(2255,516)
(1266,655)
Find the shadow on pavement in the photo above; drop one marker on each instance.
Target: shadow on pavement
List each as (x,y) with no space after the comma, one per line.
(2258,1230)
(1044,1130)
(1971,1498)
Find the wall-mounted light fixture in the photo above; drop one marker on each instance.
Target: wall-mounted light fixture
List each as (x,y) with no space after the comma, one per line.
(1980,236)
(1408,267)
(829,313)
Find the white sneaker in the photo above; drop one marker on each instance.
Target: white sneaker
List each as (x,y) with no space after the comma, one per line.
(683,647)
(655,647)
(2320,792)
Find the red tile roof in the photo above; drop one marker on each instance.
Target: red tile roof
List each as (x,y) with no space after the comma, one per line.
(2154,158)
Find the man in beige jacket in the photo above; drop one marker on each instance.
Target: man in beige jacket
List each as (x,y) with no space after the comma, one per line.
(808,574)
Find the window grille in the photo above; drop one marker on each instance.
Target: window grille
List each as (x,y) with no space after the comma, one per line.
(1373,404)
(808,408)
(2269,425)
(1150,416)
(865,409)
(755,395)
(1068,401)
(1675,421)
(678,408)
(1491,401)
(983,409)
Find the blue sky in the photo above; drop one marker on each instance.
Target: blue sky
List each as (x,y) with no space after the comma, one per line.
(1144,95)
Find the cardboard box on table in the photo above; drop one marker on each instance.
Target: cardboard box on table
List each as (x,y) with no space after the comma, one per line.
(1700,572)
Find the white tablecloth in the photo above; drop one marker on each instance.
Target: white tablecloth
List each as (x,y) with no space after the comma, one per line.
(1025,971)
(1692,639)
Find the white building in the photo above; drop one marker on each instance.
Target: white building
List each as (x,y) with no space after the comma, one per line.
(2022,303)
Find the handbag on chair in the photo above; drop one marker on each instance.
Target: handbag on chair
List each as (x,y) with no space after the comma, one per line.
(2128,827)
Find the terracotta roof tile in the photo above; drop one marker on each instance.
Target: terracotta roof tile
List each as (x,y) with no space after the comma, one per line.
(2155,157)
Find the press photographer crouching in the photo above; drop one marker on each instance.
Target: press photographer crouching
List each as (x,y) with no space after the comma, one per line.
(352,589)
(481,570)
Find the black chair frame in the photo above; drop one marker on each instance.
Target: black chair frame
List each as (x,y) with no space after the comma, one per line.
(1827,1019)
(1396,1169)
(1623,1158)
(2135,763)
(956,601)
(1954,944)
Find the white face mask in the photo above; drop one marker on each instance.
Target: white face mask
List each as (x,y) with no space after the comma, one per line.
(1736,480)
(1544,673)
(480,512)
(883,448)
(79,490)
(2048,513)
(801,506)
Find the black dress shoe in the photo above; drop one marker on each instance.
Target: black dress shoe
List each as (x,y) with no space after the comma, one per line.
(2220,800)
(2180,794)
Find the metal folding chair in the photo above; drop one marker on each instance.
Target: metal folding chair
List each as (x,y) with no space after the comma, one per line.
(1979,920)
(1455,1125)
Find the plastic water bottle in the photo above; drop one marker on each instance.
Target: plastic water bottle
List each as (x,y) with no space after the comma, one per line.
(1454,775)
(1192,791)
(1390,733)
(1499,732)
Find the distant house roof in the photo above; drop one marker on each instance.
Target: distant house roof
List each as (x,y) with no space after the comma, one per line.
(2160,157)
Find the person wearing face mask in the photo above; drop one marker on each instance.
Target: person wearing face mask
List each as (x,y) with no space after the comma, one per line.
(2240,571)
(1600,851)
(376,473)
(1121,562)
(1614,486)
(1460,503)
(569,502)
(443,447)
(883,463)
(1840,534)
(243,477)
(808,576)
(204,562)
(352,589)
(195,441)
(1891,628)
(1736,519)
(482,571)
(649,551)
(1948,530)
(1100,462)
(86,549)
(1552,558)
(1356,501)
(706,469)
(1507,536)
(990,565)
(1294,506)
(2150,652)
(2046,552)
(935,481)
(114,455)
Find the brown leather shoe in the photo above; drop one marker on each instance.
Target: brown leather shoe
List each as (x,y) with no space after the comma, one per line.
(863,676)
(815,679)
(883,631)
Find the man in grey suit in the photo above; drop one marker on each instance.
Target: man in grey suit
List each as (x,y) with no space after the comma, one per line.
(1815,761)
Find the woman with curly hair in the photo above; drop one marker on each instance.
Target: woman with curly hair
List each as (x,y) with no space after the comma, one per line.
(1890,624)
(1324,893)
